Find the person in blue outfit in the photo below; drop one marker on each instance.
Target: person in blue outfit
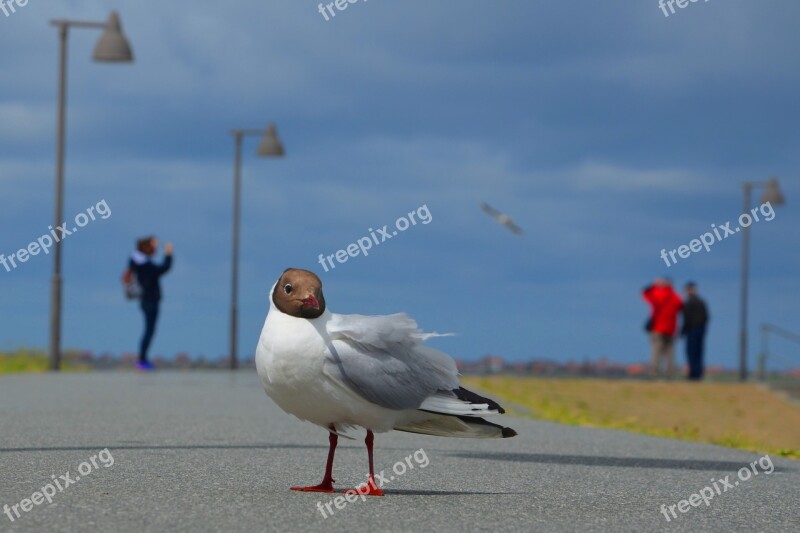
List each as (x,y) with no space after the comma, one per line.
(695,322)
(148,275)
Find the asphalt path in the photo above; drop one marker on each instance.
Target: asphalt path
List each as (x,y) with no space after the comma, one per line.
(208,451)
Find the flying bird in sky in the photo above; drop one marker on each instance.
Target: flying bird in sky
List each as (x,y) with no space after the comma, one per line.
(502,218)
(346,371)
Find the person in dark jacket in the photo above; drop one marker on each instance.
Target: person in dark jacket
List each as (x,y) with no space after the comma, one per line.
(695,321)
(148,275)
(665,305)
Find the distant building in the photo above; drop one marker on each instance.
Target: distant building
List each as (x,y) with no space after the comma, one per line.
(493,364)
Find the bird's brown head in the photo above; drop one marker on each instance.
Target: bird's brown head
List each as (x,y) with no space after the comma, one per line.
(299,293)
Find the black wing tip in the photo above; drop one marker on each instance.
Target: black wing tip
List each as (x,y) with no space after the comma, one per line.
(505,432)
(470,397)
(508,433)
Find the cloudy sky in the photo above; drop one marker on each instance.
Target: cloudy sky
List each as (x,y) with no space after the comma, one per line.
(605,129)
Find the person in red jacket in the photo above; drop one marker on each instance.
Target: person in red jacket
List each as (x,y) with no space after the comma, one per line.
(663,325)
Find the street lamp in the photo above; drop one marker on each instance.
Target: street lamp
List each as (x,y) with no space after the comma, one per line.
(762,359)
(270,146)
(772,194)
(112,47)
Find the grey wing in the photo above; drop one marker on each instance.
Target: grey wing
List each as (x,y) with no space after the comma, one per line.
(491,211)
(400,379)
(513,227)
(383,332)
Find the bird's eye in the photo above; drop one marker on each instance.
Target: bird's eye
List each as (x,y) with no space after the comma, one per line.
(287,288)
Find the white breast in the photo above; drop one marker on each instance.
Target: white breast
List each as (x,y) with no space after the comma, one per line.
(290,358)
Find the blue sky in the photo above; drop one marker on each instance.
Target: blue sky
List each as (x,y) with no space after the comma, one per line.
(607,130)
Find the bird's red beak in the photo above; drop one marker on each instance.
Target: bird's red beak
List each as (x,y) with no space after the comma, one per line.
(310,302)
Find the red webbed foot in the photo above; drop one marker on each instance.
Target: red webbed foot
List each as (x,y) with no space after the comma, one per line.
(370,488)
(325,486)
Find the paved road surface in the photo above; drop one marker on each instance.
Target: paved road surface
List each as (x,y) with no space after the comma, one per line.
(210,452)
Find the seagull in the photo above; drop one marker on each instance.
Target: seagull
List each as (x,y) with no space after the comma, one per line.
(342,372)
(502,218)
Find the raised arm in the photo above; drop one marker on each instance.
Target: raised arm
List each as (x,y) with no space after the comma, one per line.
(167,264)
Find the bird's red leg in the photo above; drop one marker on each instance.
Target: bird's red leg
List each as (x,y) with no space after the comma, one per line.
(327,481)
(371,488)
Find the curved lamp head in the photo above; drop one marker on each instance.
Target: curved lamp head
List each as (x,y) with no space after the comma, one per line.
(113,46)
(772,193)
(270,145)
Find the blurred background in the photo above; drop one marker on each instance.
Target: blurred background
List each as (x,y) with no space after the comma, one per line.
(605,129)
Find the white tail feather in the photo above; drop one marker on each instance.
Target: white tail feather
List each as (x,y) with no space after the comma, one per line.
(449,405)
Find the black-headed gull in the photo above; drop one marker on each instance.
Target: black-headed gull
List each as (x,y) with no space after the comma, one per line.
(501,218)
(344,371)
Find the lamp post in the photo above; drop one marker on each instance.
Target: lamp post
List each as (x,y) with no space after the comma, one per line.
(112,47)
(762,359)
(270,146)
(772,194)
